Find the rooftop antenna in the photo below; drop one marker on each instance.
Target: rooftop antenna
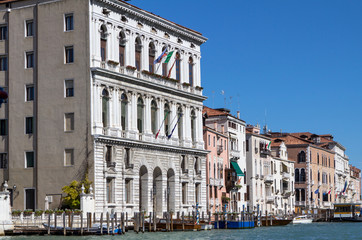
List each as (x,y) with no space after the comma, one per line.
(222,93)
(265,128)
(231,103)
(238,96)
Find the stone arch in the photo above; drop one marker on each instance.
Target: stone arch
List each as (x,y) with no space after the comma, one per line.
(171,190)
(157,192)
(143,188)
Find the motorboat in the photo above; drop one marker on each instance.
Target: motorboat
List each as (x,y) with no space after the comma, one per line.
(302,219)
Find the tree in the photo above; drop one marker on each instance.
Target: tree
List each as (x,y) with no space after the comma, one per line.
(73,191)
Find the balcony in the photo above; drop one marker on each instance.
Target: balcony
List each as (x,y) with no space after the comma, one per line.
(212,202)
(270,199)
(220,149)
(299,203)
(268,179)
(212,181)
(286,193)
(327,204)
(285,176)
(235,153)
(265,152)
(256,176)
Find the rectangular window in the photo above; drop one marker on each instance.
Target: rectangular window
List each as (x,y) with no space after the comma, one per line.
(121,55)
(30,199)
(215,192)
(110,190)
(29,125)
(209,140)
(3,32)
(29,59)
(247,145)
(3,160)
(69,157)
(103,49)
(29,93)
(3,63)
(127,191)
(214,141)
(29,28)
(184,193)
(3,127)
(69,25)
(29,159)
(210,193)
(68,122)
(69,54)
(69,88)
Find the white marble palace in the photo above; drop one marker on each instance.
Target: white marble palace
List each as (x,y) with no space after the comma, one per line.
(146,117)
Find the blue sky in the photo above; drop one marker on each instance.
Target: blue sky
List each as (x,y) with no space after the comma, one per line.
(298,61)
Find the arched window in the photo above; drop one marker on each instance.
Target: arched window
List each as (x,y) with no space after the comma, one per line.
(301,157)
(318,158)
(105,107)
(154,122)
(302,195)
(167,117)
(140,115)
(178,66)
(164,66)
(302,175)
(193,126)
(124,102)
(180,123)
(297,195)
(296,175)
(151,57)
(138,48)
(191,71)
(122,45)
(103,43)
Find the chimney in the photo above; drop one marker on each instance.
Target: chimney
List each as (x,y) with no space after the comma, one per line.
(238,114)
(215,126)
(222,129)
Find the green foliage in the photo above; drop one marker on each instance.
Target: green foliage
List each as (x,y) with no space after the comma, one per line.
(73,191)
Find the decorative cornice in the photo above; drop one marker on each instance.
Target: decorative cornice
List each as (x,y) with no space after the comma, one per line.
(151,146)
(145,83)
(154,19)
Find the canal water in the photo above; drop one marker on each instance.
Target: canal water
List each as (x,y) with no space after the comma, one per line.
(307,231)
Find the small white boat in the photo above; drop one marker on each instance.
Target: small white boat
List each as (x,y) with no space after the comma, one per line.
(302,219)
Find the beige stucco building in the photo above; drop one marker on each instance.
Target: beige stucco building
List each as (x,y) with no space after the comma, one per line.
(85,96)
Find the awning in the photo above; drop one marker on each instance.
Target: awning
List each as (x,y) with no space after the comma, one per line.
(237,169)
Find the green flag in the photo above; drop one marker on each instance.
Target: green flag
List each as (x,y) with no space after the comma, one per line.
(169,55)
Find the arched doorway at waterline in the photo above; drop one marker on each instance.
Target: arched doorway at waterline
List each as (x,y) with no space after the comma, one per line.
(157,191)
(170,190)
(143,190)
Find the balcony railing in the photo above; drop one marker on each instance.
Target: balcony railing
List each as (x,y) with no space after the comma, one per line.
(111,164)
(327,204)
(286,176)
(235,153)
(268,179)
(270,199)
(265,152)
(299,203)
(220,149)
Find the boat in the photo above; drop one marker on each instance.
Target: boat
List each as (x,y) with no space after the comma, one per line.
(233,224)
(350,212)
(178,226)
(273,221)
(302,219)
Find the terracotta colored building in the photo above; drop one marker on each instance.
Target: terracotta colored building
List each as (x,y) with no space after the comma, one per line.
(313,170)
(216,163)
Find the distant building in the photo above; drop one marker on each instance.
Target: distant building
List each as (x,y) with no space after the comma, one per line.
(217,161)
(314,170)
(85,97)
(235,181)
(354,185)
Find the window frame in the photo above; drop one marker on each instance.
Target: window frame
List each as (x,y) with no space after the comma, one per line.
(29,22)
(71,27)
(3,62)
(3,34)
(29,64)
(29,131)
(28,94)
(70,93)
(71,123)
(5,130)
(71,150)
(69,59)
(26,159)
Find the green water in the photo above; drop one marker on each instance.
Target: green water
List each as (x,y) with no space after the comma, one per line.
(307,231)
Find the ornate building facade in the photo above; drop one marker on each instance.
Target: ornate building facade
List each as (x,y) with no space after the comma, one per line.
(134,125)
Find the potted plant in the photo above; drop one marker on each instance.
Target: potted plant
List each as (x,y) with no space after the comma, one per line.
(16,212)
(129,67)
(59,211)
(28,212)
(113,62)
(38,212)
(49,211)
(77,211)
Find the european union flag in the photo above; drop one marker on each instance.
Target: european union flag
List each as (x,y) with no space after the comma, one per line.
(316,191)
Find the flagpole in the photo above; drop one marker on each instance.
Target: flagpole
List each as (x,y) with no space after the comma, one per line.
(158,132)
(179,117)
(169,72)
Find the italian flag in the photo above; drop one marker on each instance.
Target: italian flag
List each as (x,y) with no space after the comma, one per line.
(268,147)
(168,58)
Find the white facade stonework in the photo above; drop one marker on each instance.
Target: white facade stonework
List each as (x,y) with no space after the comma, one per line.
(134,170)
